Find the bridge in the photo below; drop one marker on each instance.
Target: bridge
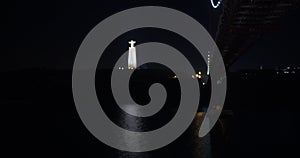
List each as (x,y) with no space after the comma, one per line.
(242,22)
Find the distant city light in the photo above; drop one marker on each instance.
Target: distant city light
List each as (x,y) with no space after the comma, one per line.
(121,68)
(197,75)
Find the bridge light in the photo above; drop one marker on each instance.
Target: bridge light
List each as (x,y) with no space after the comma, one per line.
(217,4)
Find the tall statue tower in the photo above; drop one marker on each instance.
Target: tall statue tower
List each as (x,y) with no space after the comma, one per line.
(132,56)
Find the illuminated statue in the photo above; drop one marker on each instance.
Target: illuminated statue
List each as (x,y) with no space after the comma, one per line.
(132,56)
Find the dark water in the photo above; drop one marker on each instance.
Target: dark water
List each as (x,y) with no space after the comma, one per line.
(260,119)
(187,145)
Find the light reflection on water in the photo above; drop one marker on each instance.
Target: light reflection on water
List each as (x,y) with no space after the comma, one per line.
(187,145)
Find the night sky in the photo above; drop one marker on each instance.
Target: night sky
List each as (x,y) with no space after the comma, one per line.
(49,33)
